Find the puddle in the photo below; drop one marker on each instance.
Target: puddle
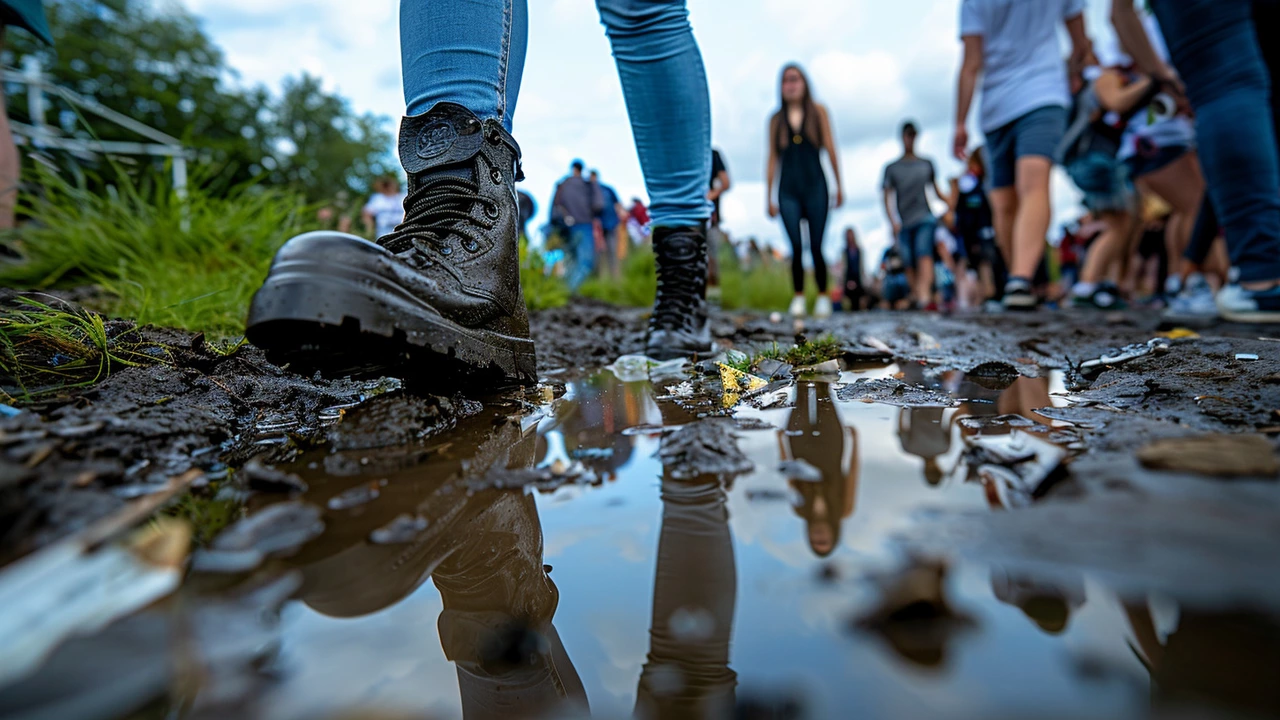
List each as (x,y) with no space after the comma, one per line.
(442,588)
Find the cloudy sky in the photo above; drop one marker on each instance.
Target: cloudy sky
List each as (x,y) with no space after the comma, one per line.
(873,63)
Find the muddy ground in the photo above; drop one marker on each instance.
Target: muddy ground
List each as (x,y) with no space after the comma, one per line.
(199,417)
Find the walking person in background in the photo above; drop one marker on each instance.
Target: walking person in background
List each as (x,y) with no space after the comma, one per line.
(973,225)
(720,184)
(28,15)
(905,182)
(854,290)
(1012,46)
(385,209)
(638,222)
(609,218)
(1214,45)
(798,133)
(576,204)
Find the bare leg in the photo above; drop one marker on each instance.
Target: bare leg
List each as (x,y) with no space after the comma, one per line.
(924,276)
(1032,222)
(1004,211)
(1104,255)
(1178,184)
(9,168)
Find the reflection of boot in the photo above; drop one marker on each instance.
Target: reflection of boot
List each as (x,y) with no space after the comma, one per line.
(440,295)
(678,326)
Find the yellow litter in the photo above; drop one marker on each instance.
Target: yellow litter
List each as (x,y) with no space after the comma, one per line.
(736,383)
(1179,333)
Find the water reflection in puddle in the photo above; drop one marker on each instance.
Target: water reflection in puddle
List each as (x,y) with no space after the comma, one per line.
(681,598)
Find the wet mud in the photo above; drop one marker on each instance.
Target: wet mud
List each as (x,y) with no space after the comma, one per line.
(1024,516)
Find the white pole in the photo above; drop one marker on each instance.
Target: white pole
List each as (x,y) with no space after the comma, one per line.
(36,105)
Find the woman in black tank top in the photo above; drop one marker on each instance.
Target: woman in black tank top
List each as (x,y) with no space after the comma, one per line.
(798,133)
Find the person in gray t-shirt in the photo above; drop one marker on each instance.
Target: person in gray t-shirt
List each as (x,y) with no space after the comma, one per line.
(905,183)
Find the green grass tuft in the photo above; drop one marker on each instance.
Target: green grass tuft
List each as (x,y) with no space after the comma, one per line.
(46,348)
(191,264)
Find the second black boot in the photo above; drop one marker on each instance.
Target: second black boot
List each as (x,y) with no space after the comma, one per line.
(679,326)
(439,299)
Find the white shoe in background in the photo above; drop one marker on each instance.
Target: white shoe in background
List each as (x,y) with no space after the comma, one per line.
(797,306)
(822,308)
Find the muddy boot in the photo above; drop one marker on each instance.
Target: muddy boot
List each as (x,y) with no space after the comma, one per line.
(678,326)
(439,299)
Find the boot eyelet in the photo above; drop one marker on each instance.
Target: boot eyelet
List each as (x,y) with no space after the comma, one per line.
(491,211)
(496,176)
(471,245)
(446,250)
(493,137)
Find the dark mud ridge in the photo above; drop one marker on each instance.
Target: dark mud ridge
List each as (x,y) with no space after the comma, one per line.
(198,416)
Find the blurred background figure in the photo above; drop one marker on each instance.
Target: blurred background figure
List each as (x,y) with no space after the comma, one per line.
(385,208)
(855,292)
(799,132)
(574,207)
(973,222)
(1012,47)
(914,226)
(28,15)
(608,222)
(717,239)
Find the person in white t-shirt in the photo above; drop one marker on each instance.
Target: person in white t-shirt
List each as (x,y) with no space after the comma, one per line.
(385,209)
(1013,46)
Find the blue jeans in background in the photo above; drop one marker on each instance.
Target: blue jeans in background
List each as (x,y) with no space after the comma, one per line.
(1215,49)
(915,242)
(582,254)
(472,52)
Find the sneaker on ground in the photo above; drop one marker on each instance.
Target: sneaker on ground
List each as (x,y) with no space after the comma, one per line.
(797,306)
(1249,306)
(437,300)
(822,307)
(1018,295)
(1194,305)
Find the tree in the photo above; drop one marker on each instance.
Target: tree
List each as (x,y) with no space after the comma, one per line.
(155,64)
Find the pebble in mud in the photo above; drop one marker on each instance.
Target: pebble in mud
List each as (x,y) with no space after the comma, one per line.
(705,447)
(894,392)
(403,529)
(358,495)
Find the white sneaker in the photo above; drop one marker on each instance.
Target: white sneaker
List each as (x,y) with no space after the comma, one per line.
(822,308)
(797,306)
(1194,305)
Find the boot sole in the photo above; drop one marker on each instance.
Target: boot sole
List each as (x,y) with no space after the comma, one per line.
(342,321)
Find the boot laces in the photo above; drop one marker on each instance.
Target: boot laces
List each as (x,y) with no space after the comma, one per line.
(679,285)
(438,208)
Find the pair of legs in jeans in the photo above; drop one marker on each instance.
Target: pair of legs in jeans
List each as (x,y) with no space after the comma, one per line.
(1216,51)
(472,53)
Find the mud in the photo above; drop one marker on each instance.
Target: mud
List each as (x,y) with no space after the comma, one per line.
(909,538)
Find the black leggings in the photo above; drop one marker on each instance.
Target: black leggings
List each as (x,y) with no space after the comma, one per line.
(810,205)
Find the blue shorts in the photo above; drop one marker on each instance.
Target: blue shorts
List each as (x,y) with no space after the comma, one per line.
(895,288)
(1037,133)
(1104,182)
(1145,163)
(915,242)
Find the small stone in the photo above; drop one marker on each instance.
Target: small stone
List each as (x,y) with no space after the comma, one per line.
(1223,456)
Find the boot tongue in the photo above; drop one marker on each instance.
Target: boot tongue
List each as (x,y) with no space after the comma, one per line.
(442,141)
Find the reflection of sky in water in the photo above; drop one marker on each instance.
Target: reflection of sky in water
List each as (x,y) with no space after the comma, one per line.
(790,630)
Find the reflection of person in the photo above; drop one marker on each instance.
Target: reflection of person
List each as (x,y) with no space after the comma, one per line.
(592,422)
(687,673)
(385,209)
(855,291)
(1226,661)
(1024,397)
(923,434)
(482,550)
(798,133)
(818,437)
(1048,604)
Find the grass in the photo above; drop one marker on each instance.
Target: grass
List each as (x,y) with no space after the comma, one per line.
(191,264)
(635,286)
(806,353)
(542,290)
(208,512)
(45,348)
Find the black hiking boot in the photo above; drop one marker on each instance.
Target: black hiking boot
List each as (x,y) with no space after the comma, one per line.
(437,300)
(678,326)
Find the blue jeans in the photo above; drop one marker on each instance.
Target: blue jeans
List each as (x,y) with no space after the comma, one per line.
(472,52)
(915,242)
(1214,47)
(582,254)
